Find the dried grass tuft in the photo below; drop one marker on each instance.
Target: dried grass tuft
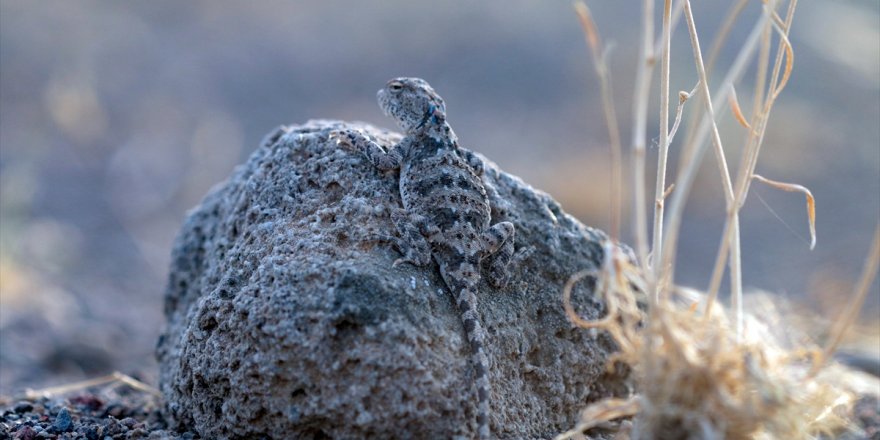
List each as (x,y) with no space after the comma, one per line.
(700,369)
(696,379)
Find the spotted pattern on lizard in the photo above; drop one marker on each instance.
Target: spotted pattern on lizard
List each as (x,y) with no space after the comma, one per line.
(446,210)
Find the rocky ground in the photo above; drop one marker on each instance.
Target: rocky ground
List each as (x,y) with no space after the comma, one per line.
(112,412)
(130,414)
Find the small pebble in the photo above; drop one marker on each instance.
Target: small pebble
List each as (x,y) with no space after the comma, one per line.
(23,407)
(63,423)
(26,433)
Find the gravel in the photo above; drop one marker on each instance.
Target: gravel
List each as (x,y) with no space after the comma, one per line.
(93,415)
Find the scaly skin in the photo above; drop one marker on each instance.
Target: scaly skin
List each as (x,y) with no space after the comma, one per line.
(446,209)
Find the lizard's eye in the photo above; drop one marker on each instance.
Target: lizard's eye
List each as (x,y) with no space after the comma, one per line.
(395,87)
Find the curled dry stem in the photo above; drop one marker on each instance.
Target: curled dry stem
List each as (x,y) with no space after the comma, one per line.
(811,202)
(604,411)
(617,284)
(737,112)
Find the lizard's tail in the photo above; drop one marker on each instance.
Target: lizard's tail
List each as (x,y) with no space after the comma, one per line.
(466,301)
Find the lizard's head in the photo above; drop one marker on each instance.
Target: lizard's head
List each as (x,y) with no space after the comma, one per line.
(411,102)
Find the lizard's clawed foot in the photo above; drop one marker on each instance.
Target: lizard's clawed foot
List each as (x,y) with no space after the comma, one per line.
(415,258)
(417,254)
(401,260)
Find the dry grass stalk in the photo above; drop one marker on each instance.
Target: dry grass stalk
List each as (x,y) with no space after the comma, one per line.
(761,116)
(640,117)
(696,118)
(663,153)
(115,377)
(730,235)
(735,268)
(661,194)
(592,36)
(693,152)
(671,15)
(700,372)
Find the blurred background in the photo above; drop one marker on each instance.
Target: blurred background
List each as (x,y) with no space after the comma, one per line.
(117,117)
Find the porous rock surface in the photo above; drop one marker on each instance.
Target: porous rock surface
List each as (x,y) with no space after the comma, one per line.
(285,318)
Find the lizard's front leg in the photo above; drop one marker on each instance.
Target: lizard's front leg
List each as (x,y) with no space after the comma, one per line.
(355,140)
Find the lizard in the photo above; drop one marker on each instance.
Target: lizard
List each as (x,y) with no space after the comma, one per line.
(446,210)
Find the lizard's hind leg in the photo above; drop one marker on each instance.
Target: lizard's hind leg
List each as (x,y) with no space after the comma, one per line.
(412,242)
(498,249)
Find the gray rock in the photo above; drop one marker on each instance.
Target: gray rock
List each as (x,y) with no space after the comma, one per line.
(285,318)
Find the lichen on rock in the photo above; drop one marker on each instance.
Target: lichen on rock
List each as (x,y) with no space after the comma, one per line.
(285,318)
